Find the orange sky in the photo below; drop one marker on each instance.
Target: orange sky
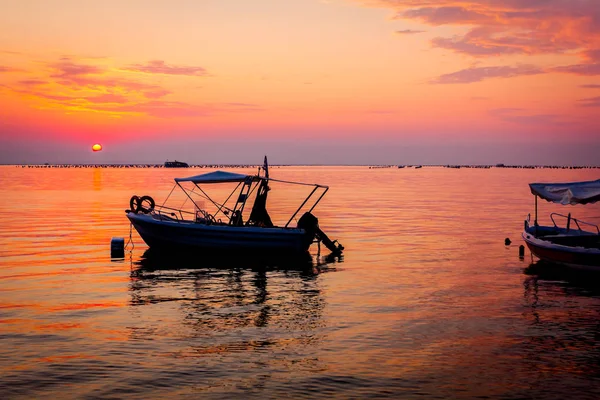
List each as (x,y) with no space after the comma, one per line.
(299,80)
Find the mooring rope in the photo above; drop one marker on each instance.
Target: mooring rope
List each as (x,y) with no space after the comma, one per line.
(130,238)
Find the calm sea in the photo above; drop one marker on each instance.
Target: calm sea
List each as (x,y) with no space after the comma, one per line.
(426,302)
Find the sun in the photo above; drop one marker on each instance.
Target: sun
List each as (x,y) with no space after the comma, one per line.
(97,147)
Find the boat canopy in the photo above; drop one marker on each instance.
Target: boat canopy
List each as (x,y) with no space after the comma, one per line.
(218,177)
(568,193)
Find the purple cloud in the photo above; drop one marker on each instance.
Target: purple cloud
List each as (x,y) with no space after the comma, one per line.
(477,74)
(445,15)
(580,69)
(465,46)
(160,67)
(593,55)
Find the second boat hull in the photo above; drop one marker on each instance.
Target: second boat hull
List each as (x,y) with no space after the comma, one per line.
(571,256)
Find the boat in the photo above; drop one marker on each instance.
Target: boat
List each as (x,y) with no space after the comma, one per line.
(570,245)
(219,225)
(176,164)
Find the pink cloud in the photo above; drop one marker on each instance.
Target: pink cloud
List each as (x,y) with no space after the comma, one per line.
(160,67)
(69,69)
(506,27)
(477,74)
(590,86)
(32,82)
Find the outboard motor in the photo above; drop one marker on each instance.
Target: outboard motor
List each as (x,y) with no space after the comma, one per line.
(310,224)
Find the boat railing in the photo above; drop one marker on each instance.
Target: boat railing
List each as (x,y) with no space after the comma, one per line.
(577,222)
(169,213)
(178,215)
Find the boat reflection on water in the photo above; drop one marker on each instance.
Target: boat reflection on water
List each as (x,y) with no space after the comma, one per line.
(260,315)
(155,259)
(577,280)
(558,341)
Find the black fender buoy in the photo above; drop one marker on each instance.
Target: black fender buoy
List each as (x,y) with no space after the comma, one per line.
(146,209)
(134,204)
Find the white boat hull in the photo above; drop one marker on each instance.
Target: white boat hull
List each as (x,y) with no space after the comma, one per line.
(158,233)
(579,257)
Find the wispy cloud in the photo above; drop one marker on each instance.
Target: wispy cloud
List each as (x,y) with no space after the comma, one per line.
(477,74)
(590,102)
(107,98)
(590,86)
(177,109)
(32,82)
(519,116)
(408,32)
(13,53)
(580,69)
(443,15)
(4,68)
(160,67)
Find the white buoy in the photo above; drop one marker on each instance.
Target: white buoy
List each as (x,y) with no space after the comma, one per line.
(117,247)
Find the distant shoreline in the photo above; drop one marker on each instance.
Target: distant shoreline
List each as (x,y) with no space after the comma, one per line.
(230,166)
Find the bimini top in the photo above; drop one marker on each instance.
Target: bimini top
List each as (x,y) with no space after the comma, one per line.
(568,193)
(218,177)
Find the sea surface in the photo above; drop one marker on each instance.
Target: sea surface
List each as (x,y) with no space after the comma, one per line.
(426,302)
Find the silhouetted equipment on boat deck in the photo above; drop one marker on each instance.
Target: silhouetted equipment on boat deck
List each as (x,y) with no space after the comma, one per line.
(259,215)
(310,224)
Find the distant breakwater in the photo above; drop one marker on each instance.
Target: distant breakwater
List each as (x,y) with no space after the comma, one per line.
(132,166)
(231,166)
(490,166)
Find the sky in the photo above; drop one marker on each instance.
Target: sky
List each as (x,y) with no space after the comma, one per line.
(302,81)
